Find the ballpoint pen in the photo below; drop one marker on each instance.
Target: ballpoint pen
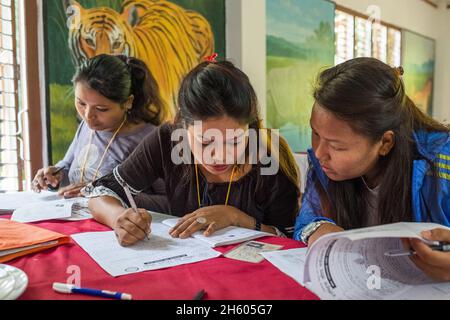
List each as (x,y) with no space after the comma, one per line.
(49,186)
(69,288)
(444,247)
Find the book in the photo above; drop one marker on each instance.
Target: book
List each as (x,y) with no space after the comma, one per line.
(354,265)
(223,237)
(19,239)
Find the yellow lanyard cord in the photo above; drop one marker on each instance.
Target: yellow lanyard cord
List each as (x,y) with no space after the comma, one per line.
(83,168)
(198,186)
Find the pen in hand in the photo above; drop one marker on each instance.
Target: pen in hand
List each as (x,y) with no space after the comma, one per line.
(132,202)
(444,247)
(54,173)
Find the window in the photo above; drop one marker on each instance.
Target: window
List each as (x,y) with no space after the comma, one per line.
(10,140)
(359,36)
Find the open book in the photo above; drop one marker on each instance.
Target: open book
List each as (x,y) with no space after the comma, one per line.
(223,237)
(353,265)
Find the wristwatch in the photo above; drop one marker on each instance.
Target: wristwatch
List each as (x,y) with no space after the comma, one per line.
(310,229)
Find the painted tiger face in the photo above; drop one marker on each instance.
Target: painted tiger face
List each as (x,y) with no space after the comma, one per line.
(97,31)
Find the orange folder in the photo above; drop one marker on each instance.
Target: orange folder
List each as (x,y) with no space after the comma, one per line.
(19,239)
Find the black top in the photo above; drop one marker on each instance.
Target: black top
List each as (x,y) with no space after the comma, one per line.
(271,200)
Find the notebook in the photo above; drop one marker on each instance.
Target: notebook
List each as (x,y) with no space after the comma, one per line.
(19,239)
(223,237)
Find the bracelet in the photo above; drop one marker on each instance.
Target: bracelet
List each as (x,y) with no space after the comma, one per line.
(257,225)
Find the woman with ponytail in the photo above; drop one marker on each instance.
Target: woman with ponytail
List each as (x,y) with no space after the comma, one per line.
(118,102)
(210,189)
(376,159)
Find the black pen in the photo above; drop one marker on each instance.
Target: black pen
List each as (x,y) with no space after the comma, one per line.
(49,186)
(199,295)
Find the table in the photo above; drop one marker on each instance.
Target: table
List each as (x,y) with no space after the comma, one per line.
(222,278)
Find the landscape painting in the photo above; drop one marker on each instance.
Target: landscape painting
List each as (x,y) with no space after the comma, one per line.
(419,55)
(300,43)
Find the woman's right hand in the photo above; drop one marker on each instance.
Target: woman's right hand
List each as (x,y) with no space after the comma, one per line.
(131,227)
(45,177)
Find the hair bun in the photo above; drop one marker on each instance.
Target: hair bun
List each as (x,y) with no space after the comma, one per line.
(136,69)
(400,71)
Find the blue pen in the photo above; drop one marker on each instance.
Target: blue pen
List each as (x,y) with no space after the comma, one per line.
(70,288)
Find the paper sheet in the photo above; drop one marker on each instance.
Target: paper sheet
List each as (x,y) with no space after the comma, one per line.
(225,236)
(14,200)
(353,265)
(161,251)
(74,209)
(291,262)
(47,210)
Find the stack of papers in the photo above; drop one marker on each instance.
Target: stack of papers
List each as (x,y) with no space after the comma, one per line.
(34,207)
(14,200)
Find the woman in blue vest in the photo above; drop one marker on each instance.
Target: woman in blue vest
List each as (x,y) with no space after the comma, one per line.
(376,159)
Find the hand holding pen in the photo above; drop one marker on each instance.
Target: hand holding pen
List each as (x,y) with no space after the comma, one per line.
(435,260)
(47,179)
(133,225)
(443,247)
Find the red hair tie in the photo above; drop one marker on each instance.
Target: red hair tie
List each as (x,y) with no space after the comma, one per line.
(212,58)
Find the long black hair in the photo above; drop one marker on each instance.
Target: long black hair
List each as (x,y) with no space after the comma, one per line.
(119,77)
(216,89)
(370,96)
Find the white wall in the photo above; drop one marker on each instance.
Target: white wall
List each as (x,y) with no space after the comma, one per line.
(246,42)
(248,48)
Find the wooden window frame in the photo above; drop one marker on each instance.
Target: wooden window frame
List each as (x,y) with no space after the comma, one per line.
(357,14)
(33,80)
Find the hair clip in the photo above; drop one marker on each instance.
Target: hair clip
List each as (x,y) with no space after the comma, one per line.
(212,58)
(400,71)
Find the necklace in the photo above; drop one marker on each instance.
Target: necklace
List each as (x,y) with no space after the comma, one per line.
(367,186)
(83,168)
(198,186)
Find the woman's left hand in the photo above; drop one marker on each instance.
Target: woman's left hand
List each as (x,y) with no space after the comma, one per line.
(72,191)
(435,264)
(211,218)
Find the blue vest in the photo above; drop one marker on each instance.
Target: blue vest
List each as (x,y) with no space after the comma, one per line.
(427,206)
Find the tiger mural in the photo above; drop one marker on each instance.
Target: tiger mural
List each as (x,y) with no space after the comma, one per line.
(168,38)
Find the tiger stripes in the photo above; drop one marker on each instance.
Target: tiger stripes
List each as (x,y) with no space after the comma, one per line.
(168,38)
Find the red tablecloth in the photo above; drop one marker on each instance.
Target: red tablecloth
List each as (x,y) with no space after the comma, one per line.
(222,278)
